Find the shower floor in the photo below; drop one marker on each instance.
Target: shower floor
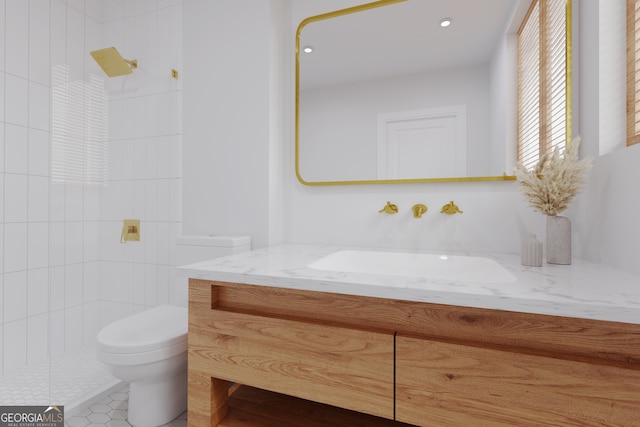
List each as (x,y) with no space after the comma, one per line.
(71,379)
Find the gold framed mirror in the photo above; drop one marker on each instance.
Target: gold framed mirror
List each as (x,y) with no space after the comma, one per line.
(339,143)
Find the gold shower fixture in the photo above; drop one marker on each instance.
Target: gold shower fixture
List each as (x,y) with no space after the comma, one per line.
(112,63)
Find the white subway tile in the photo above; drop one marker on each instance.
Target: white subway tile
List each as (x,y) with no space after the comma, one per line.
(111,281)
(162,284)
(17,38)
(152,117)
(15,198)
(73,202)
(16,149)
(112,10)
(73,285)
(164,113)
(111,202)
(93,9)
(56,243)
(176,112)
(138,283)
(15,247)
(2,97)
(91,281)
(162,243)
(39,152)
(38,245)
(164,200)
(140,194)
(58,42)
(152,200)
(152,157)
(127,282)
(39,34)
(73,242)
(91,322)
(110,246)
(39,97)
(56,201)
(37,338)
(1,325)
(1,305)
(15,296)
(148,231)
(91,241)
(38,199)
(75,45)
(57,287)
(38,291)
(16,98)
(2,66)
(150,285)
(176,156)
(140,115)
(57,332)
(164,157)
(15,354)
(91,200)
(139,151)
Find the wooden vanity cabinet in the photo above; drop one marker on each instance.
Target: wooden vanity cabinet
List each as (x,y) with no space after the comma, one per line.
(419,363)
(447,384)
(314,359)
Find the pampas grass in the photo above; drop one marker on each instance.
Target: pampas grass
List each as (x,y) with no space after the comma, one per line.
(555,181)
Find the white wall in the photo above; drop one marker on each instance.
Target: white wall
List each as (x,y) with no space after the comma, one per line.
(232,126)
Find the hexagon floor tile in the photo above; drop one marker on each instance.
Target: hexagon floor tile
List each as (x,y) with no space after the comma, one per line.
(112,412)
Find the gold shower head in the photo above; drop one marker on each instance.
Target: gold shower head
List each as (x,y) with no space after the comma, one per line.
(112,63)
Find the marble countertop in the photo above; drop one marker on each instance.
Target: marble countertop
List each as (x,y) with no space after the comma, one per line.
(581,290)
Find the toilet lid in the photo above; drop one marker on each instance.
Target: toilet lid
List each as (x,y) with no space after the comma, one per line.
(156,328)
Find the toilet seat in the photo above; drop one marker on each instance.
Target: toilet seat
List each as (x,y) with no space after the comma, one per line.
(155,334)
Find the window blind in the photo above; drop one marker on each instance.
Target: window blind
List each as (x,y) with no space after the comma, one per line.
(633,72)
(79,121)
(543,40)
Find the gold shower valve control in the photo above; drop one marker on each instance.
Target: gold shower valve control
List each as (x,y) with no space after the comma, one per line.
(130,231)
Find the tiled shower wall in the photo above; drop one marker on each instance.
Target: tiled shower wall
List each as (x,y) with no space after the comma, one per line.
(63,271)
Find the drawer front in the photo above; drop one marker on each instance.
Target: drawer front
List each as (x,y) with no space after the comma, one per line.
(448,384)
(348,368)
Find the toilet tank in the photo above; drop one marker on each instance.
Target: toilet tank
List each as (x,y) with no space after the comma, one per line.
(196,248)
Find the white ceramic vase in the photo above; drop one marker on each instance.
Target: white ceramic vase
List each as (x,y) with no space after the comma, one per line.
(558,240)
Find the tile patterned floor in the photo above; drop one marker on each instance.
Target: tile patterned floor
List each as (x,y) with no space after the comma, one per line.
(66,378)
(112,412)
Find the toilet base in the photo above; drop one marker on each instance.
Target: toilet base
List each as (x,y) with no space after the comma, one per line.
(152,404)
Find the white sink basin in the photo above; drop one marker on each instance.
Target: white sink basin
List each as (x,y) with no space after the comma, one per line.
(436,267)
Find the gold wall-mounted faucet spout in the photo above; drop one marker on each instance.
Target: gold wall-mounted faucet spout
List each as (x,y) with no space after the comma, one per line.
(419,210)
(450,209)
(389,208)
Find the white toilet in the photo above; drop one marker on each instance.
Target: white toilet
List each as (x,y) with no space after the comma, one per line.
(149,350)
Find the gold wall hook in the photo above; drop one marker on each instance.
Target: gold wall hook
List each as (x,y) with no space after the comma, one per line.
(419,210)
(389,208)
(450,209)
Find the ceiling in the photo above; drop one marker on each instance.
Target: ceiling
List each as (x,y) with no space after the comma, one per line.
(401,38)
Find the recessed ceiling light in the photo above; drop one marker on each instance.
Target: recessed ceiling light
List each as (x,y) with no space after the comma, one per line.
(445,22)
(307,49)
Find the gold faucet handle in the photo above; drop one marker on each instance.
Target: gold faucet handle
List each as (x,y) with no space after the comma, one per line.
(389,208)
(450,209)
(419,210)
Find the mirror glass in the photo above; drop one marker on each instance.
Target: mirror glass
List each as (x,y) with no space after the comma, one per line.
(389,95)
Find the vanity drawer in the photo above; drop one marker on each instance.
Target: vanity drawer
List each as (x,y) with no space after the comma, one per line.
(344,367)
(449,384)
